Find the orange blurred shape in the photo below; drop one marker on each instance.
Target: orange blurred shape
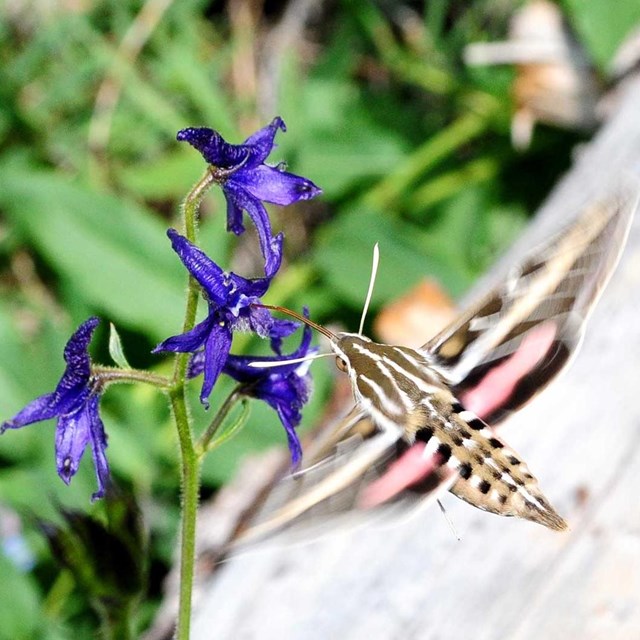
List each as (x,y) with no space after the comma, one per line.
(415,317)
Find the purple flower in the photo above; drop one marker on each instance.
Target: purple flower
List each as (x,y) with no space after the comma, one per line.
(285,388)
(75,403)
(230,298)
(247,181)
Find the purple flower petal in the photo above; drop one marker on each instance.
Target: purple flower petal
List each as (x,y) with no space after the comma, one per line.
(208,274)
(42,408)
(247,181)
(71,389)
(76,353)
(247,288)
(234,217)
(262,141)
(295,448)
(76,375)
(238,367)
(196,365)
(260,321)
(286,388)
(216,352)
(75,402)
(281,329)
(269,246)
(213,147)
(273,185)
(72,436)
(232,305)
(98,447)
(189,341)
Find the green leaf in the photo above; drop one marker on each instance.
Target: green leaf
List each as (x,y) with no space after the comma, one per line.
(107,560)
(333,137)
(115,348)
(166,176)
(115,253)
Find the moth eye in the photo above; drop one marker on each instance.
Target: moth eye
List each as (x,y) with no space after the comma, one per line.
(341,364)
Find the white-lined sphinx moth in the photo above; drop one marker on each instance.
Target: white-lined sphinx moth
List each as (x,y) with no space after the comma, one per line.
(427,407)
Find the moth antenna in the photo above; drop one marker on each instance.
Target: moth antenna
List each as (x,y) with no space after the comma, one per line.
(372,280)
(298,316)
(449,521)
(271,364)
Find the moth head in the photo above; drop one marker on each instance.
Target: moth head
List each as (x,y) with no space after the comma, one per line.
(346,349)
(343,345)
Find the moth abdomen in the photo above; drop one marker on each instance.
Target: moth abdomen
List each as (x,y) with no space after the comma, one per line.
(493,478)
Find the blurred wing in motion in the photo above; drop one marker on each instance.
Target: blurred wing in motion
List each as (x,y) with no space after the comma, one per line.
(506,348)
(326,493)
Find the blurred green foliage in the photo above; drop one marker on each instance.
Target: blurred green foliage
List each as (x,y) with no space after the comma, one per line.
(411,148)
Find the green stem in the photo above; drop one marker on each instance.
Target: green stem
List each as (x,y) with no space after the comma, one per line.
(113,374)
(190,467)
(190,216)
(232,399)
(190,463)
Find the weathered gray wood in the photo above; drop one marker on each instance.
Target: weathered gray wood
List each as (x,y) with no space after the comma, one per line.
(506,579)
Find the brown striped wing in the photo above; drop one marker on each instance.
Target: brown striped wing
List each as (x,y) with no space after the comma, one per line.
(503,350)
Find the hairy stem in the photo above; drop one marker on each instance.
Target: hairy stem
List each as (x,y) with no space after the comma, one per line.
(113,374)
(190,467)
(190,462)
(190,215)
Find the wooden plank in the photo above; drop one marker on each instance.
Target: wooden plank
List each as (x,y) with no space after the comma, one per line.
(506,578)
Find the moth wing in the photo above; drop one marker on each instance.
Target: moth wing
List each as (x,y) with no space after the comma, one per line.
(335,489)
(504,349)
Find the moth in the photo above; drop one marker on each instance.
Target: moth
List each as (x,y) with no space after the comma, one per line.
(421,419)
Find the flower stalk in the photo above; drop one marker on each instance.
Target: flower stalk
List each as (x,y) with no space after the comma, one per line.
(190,209)
(108,375)
(190,482)
(206,441)
(190,462)
(203,348)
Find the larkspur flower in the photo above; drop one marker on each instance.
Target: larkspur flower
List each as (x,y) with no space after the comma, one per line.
(230,298)
(75,403)
(247,181)
(285,388)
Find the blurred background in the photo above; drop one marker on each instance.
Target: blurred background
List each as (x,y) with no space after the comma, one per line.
(420,142)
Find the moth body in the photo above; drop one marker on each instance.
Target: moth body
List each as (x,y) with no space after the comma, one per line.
(400,390)
(419,422)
